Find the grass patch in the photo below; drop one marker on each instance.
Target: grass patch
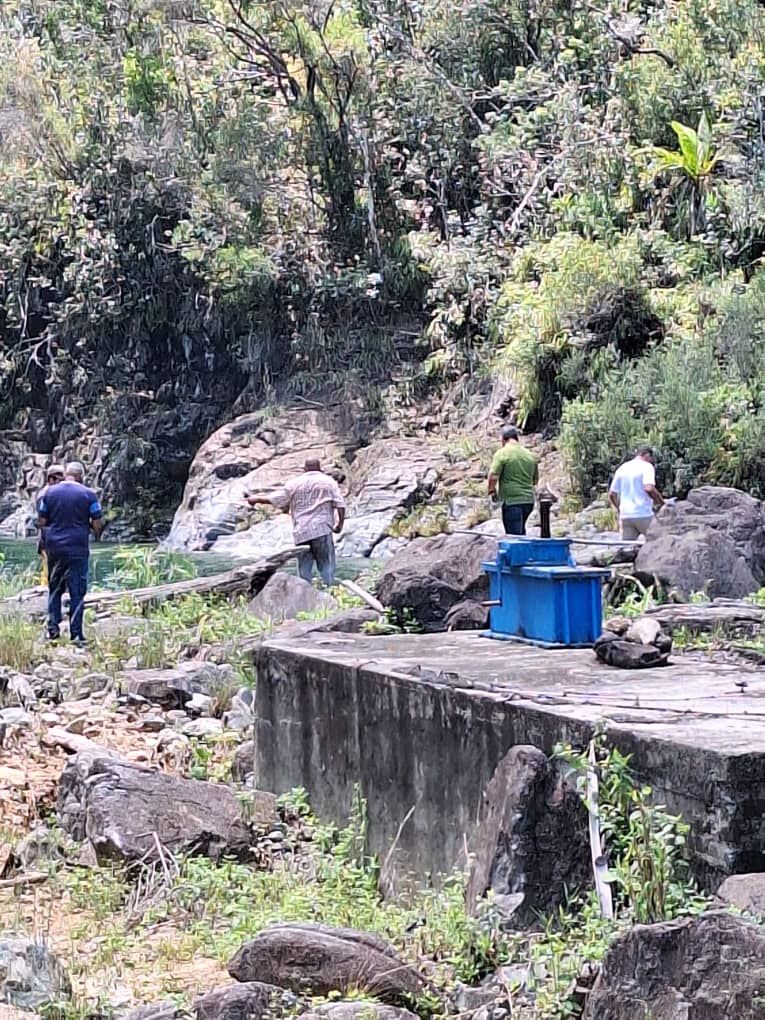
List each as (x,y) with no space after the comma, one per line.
(19,642)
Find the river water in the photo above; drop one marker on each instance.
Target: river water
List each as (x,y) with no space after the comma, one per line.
(20,554)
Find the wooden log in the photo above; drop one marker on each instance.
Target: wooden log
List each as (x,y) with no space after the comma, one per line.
(705,616)
(241,580)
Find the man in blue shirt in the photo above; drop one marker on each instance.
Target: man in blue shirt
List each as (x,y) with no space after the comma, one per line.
(69,512)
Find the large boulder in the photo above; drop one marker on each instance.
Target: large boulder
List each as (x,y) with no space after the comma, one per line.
(530,843)
(317,960)
(124,809)
(285,597)
(702,968)
(432,575)
(249,1000)
(252,452)
(30,975)
(744,892)
(388,477)
(713,541)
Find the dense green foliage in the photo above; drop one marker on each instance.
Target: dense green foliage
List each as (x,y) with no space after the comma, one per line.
(209,204)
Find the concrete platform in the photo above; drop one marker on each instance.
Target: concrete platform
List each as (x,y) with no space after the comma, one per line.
(421,721)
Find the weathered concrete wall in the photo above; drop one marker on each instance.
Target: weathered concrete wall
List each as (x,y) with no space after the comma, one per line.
(422,748)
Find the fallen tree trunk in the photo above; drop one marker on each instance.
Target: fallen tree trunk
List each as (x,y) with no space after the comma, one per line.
(705,616)
(246,580)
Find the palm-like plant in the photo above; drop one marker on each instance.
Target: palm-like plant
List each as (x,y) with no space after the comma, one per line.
(694,161)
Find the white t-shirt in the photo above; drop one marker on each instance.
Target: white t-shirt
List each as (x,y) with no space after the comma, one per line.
(629,483)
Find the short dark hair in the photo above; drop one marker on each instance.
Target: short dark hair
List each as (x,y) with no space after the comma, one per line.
(645,451)
(509,432)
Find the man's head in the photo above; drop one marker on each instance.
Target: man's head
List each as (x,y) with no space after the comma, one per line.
(312,464)
(75,471)
(54,474)
(509,434)
(646,453)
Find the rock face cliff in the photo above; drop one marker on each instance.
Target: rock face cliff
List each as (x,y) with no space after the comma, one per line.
(385,478)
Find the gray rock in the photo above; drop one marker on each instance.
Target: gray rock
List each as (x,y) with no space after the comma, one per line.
(318,960)
(614,651)
(643,631)
(351,621)
(258,540)
(467,615)
(153,723)
(238,721)
(119,807)
(285,596)
(207,677)
(16,689)
(388,548)
(712,541)
(169,688)
(92,683)
(356,1009)
(199,704)
(244,761)
(745,892)
(201,728)
(388,478)
(249,1000)
(156,1011)
(701,968)
(531,836)
(15,717)
(603,555)
(432,575)
(30,975)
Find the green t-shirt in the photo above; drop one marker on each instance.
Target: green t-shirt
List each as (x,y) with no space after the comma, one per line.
(517,471)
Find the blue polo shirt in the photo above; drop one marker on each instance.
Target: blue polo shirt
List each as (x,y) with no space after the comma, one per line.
(69,508)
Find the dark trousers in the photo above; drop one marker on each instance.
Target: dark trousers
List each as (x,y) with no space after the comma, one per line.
(514,517)
(67,572)
(320,551)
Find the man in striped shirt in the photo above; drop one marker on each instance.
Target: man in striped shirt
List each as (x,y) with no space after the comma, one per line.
(317,508)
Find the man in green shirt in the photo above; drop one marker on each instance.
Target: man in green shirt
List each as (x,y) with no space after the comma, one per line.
(514,473)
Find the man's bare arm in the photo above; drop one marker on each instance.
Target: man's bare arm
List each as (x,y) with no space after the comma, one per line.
(340,520)
(656,496)
(492,484)
(255,499)
(613,499)
(97,526)
(42,521)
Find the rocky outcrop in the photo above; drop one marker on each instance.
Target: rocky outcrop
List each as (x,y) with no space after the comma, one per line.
(388,477)
(124,809)
(285,597)
(713,541)
(530,843)
(30,975)
(432,575)
(706,968)
(317,960)
(253,452)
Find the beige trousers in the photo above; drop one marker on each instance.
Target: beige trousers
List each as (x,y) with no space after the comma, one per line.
(633,528)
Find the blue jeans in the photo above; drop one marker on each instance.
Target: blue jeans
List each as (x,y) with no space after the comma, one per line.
(514,517)
(67,572)
(320,551)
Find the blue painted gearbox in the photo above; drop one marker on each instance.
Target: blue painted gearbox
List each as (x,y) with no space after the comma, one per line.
(544,598)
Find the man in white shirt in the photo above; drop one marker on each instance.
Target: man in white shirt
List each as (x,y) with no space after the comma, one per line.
(317,508)
(634,494)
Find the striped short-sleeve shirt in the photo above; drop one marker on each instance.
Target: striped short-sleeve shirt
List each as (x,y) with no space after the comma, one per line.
(311,499)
